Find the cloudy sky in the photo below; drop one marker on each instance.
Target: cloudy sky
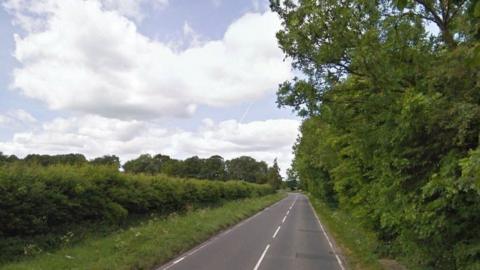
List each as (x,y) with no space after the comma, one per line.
(125,77)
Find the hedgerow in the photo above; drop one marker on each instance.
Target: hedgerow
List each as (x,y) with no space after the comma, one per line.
(36,200)
(391,120)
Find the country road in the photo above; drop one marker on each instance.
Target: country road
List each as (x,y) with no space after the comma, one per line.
(286,235)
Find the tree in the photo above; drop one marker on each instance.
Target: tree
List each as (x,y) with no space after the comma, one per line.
(247,169)
(274,177)
(391,118)
(213,168)
(292,179)
(192,167)
(48,160)
(143,164)
(107,160)
(4,159)
(172,167)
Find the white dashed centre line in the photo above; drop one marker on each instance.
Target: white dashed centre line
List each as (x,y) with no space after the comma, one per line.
(195,250)
(261,257)
(283,220)
(275,234)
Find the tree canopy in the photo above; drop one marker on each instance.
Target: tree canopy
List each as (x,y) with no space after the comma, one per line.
(390,96)
(107,161)
(243,168)
(214,168)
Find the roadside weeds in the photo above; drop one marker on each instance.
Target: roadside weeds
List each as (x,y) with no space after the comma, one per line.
(150,244)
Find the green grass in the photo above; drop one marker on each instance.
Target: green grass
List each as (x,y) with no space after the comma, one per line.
(357,244)
(151,243)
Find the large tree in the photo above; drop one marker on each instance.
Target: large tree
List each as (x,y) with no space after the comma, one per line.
(390,92)
(274,178)
(107,161)
(143,164)
(213,168)
(192,167)
(4,159)
(247,169)
(47,160)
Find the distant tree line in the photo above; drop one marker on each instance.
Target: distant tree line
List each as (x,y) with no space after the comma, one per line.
(41,205)
(243,168)
(214,168)
(66,159)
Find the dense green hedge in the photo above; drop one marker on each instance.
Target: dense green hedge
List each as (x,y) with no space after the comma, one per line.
(391,120)
(33,200)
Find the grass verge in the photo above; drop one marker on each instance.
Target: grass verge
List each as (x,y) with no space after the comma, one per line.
(150,243)
(357,244)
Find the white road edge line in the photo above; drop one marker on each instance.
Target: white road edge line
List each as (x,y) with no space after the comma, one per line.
(275,234)
(208,242)
(175,262)
(285,217)
(326,236)
(261,257)
(197,249)
(179,260)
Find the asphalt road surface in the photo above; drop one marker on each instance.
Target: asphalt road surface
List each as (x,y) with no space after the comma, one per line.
(284,236)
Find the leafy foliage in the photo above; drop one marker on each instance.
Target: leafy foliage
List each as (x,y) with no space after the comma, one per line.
(243,168)
(144,245)
(247,169)
(392,119)
(213,168)
(35,200)
(47,160)
(273,175)
(107,161)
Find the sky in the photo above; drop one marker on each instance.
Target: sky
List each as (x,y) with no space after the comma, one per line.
(128,77)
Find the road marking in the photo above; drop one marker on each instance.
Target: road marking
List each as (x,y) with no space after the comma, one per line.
(292,204)
(197,249)
(179,260)
(214,238)
(285,217)
(326,236)
(261,257)
(294,201)
(227,231)
(275,234)
(288,212)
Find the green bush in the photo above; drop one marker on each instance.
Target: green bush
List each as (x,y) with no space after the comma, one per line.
(35,200)
(391,120)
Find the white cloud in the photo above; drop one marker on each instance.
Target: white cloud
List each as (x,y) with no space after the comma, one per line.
(97,136)
(127,8)
(4,120)
(132,8)
(26,11)
(22,116)
(89,57)
(16,118)
(191,36)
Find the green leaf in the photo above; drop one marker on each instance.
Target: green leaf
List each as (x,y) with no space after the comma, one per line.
(401,4)
(476,11)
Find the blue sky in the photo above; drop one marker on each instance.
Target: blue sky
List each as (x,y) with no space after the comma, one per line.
(128,77)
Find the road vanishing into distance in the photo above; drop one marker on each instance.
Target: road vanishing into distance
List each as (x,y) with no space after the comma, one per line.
(284,236)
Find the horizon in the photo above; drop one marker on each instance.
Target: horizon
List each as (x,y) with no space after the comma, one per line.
(158,76)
